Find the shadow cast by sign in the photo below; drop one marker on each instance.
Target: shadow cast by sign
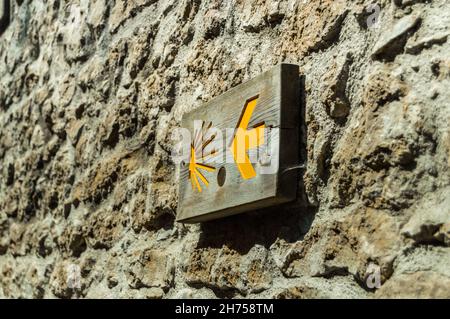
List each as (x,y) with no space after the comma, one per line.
(5,15)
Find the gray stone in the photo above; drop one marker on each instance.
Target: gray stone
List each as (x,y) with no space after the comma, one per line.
(91,91)
(430,219)
(390,42)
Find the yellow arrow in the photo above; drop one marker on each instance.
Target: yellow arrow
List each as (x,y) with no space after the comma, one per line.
(245,140)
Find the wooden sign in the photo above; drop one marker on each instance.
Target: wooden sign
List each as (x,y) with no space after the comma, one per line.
(240,147)
(4,14)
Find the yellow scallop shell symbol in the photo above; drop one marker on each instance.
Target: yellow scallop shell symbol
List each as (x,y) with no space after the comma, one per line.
(198,154)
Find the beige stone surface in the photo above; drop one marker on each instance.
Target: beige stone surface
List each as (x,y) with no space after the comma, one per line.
(90,92)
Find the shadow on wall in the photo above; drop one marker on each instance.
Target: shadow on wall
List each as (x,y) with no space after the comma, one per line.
(289,222)
(4,15)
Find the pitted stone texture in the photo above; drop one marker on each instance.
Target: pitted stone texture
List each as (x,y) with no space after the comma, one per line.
(91,91)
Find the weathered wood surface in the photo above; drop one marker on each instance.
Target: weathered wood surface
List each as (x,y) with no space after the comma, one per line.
(278,106)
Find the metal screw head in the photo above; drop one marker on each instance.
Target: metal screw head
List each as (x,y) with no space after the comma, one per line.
(265,159)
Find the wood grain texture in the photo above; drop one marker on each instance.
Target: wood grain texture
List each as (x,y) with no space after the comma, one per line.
(278,106)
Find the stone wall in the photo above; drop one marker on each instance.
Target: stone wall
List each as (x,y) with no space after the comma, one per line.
(91,90)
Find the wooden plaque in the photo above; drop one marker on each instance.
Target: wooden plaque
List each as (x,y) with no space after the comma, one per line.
(244,167)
